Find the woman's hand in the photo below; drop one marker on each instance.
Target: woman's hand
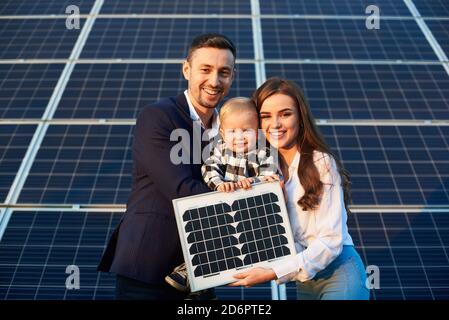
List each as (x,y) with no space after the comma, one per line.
(253,277)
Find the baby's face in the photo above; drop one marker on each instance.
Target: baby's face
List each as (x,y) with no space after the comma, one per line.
(239,131)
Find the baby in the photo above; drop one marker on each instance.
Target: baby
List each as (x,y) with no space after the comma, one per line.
(235,162)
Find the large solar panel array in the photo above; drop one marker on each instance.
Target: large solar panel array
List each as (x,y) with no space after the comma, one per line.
(69,99)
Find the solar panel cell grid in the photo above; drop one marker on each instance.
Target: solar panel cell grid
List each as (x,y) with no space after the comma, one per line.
(81,164)
(25,89)
(177,7)
(122,90)
(24,7)
(37,39)
(344,39)
(14,141)
(329,7)
(440,30)
(161,38)
(432,8)
(371,91)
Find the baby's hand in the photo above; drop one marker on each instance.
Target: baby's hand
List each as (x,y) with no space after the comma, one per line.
(226,187)
(271,178)
(245,183)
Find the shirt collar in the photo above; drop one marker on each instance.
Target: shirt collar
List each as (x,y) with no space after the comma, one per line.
(195,117)
(295,163)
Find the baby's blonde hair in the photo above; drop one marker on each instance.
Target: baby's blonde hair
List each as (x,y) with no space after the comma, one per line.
(239,104)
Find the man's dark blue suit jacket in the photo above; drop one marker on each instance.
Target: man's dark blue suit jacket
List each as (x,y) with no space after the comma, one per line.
(145,245)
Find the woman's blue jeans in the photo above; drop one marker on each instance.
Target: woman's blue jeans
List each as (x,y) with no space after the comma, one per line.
(342,279)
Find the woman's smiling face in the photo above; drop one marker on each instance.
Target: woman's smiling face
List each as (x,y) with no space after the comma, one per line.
(280,121)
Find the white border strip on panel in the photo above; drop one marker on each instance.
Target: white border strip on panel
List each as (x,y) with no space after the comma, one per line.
(208,16)
(239,61)
(41,130)
(428,34)
(320,122)
(259,63)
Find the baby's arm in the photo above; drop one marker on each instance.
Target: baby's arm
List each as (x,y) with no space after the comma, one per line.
(213,169)
(268,169)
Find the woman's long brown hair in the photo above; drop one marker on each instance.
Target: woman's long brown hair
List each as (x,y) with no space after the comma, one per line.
(309,140)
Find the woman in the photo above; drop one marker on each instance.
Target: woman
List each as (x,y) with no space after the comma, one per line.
(326,265)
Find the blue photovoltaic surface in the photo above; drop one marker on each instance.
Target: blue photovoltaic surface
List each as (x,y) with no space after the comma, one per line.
(161,38)
(440,30)
(410,250)
(332,7)
(344,39)
(36,39)
(38,246)
(81,164)
(121,90)
(432,8)
(25,89)
(394,165)
(14,141)
(176,7)
(26,7)
(348,91)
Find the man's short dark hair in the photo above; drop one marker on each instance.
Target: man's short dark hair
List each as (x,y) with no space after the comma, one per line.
(211,40)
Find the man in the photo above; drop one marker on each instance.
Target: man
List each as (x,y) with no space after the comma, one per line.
(145,246)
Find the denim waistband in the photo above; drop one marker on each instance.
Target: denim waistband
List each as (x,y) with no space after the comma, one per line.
(347,252)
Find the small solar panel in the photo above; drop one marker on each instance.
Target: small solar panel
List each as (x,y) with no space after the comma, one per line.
(233,232)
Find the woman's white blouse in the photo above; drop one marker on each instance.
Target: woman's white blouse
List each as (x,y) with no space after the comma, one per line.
(319,234)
